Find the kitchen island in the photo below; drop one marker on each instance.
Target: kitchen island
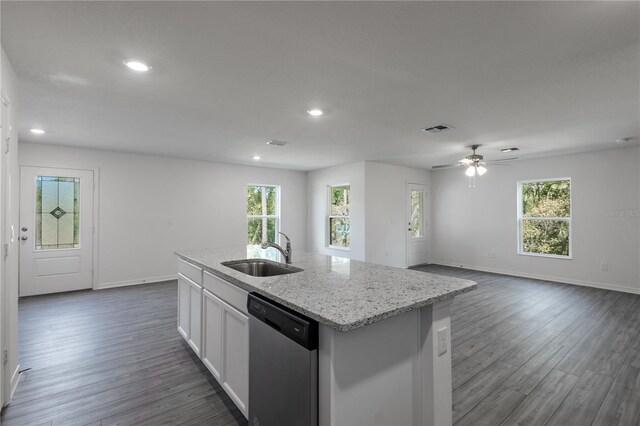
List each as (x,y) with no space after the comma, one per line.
(384,354)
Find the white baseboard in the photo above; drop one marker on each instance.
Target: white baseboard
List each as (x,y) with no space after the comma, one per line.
(102,286)
(604,286)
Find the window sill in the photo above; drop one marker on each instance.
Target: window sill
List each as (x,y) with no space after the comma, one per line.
(552,256)
(339,248)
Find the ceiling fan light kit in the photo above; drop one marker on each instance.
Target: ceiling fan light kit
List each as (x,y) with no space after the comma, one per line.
(471,171)
(475,163)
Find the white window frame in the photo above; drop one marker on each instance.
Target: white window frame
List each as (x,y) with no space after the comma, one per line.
(277,216)
(521,219)
(330,216)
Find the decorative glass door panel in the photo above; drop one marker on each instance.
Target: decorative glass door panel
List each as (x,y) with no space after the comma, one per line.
(57,213)
(416,236)
(417,222)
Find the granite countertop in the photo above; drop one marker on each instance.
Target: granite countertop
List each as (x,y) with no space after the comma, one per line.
(338,292)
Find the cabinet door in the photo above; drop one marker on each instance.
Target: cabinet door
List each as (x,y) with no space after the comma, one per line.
(235,349)
(183,306)
(212,334)
(195,317)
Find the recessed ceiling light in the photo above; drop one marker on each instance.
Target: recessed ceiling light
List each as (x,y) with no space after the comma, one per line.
(256,157)
(37,131)
(510,149)
(137,65)
(315,112)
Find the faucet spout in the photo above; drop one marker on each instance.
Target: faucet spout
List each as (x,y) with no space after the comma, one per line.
(286,252)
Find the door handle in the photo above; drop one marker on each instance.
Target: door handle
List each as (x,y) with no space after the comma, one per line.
(23,238)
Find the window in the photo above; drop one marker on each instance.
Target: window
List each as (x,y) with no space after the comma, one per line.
(544,217)
(339,219)
(263,216)
(57,213)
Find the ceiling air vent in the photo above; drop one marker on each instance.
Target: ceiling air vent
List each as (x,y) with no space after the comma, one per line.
(437,129)
(276,143)
(510,149)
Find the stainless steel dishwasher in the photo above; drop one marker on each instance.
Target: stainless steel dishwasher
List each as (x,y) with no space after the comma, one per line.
(283,365)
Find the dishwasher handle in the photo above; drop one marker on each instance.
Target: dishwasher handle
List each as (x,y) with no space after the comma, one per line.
(285,321)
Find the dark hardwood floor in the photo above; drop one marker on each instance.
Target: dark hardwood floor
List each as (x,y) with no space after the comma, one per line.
(535,352)
(524,352)
(112,357)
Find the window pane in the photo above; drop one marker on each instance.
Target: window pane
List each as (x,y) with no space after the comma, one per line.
(272,202)
(339,234)
(417,221)
(254,200)
(339,201)
(546,237)
(546,199)
(49,230)
(259,206)
(261,229)
(57,213)
(65,230)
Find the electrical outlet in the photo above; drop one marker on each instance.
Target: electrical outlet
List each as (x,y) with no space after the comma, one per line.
(443,343)
(604,267)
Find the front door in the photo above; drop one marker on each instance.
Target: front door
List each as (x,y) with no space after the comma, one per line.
(416,229)
(56,230)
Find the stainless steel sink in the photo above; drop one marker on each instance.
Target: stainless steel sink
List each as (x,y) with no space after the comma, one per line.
(261,267)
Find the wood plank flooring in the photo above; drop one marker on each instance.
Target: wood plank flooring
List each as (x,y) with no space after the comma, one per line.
(112,357)
(540,353)
(524,352)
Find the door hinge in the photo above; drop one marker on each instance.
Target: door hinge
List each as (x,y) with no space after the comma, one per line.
(6,149)
(5,356)
(5,251)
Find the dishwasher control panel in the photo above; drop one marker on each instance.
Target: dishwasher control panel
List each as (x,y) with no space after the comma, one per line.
(296,327)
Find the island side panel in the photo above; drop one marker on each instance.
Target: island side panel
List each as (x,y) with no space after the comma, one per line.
(367,376)
(388,372)
(435,364)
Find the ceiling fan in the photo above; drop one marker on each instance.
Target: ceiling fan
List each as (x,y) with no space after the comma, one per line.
(475,163)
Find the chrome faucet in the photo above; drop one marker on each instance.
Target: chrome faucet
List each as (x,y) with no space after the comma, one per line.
(285,252)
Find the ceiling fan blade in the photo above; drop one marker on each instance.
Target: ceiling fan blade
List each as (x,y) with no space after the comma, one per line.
(503,159)
(443,166)
(465,161)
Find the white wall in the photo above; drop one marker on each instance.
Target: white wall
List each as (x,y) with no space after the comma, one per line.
(317,226)
(151,206)
(9,212)
(377,210)
(468,224)
(386,213)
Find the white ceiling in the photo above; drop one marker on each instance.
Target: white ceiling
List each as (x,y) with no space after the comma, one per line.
(548,77)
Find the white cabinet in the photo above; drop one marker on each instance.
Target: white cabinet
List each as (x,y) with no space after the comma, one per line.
(190,304)
(213,319)
(235,356)
(184,292)
(212,336)
(195,317)
(225,345)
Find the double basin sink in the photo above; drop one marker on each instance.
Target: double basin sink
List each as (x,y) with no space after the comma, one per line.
(261,267)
